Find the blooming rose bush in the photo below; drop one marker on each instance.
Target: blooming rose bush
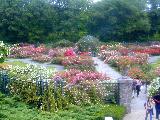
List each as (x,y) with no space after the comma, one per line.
(75,76)
(151,50)
(122,57)
(69,52)
(26,51)
(57,52)
(79,62)
(136,73)
(84,87)
(42,58)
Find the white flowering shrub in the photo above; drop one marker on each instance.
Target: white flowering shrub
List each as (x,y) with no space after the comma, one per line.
(3,51)
(42,93)
(30,73)
(154,87)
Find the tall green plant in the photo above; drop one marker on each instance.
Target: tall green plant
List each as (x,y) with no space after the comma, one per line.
(3,52)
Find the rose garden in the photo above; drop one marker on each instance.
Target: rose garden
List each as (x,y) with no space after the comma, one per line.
(79,59)
(32,86)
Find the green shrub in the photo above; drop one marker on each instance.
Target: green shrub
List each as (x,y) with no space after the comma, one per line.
(117,112)
(21,111)
(63,43)
(88,43)
(57,60)
(3,52)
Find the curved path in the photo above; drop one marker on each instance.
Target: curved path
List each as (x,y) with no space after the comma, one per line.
(153,59)
(137,108)
(106,69)
(29,61)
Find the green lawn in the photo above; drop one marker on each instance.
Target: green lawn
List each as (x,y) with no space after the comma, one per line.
(22,64)
(156,64)
(12,109)
(17,63)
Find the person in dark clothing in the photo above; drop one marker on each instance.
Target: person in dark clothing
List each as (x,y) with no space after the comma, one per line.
(138,89)
(134,88)
(156,99)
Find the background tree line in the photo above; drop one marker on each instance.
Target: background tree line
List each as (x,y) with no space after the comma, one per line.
(53,20)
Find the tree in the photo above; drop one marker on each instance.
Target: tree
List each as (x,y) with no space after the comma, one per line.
(72,19)
(154,15)
(118,20)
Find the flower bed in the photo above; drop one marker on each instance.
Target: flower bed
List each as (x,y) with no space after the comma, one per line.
(74,87)
(136,73)
(26,51)
(75,76)
(83,87)
(151,50)
(42,58)
(124,59)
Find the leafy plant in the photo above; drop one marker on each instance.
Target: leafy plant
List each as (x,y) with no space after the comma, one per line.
(17,110)
(88,43)
(63,43)
(3,51)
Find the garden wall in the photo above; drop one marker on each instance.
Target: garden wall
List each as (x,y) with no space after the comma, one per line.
(125,92)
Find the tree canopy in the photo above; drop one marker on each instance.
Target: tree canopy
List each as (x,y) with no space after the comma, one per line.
(54,20)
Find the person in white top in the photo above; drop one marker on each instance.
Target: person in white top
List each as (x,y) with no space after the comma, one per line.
(149,108)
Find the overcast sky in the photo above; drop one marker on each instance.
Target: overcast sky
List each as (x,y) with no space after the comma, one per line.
(96,0)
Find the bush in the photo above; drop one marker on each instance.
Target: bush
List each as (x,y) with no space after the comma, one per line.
(88,43)
(63,43)
(20,111)
(3,52)
(57,60)
(154,87)
(41,58)
(81,67)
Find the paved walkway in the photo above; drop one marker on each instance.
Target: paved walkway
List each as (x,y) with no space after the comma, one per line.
(137,107)
(106,69)
(29,61)
(137,104)
(153,59)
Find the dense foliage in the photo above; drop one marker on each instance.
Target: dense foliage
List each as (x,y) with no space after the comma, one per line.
(3,51)
(154,87)
(54,20)
(12,108)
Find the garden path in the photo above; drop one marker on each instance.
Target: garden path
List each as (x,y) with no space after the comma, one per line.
(29,61)
(106,69)
(137,107)
(153,59)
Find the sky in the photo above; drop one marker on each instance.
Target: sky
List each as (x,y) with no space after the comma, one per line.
(96,0)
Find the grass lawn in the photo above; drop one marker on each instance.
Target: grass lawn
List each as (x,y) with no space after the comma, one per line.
(20,64)
(12,109)
(156,64)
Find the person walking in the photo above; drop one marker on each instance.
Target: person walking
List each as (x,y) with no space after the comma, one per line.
(133,88)
(138,87)
(149,108)
(156,99)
